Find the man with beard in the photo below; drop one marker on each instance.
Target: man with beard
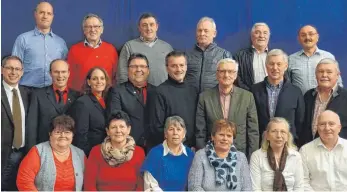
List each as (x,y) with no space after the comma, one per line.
(149,45)
(48,102)
(202,60)
(38,47)
(90,53)
(173,97)
(16,138)
(131,96)
(302,64)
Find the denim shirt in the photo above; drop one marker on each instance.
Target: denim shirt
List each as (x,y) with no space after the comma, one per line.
(37,51)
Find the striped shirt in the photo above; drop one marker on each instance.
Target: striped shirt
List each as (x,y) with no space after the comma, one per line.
(259,70)
(302,69)
(273,91)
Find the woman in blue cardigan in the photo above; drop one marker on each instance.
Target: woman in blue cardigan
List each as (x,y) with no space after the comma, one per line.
(167,165)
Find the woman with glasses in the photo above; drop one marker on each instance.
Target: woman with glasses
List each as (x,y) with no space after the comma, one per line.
(54,165)
(277,166)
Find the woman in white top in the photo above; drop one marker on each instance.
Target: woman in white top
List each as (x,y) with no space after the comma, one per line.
(277,166)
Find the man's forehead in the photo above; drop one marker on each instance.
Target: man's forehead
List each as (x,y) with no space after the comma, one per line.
(45,6)
(92,20)
(307,28)
(148,20)
(227,65)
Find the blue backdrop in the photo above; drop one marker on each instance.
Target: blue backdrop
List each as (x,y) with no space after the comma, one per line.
(178,19)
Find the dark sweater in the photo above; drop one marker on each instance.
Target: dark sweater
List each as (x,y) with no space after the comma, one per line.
(170,98)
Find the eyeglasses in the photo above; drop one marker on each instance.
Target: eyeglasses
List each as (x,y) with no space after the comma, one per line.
(15,69)
(62,132)
(227,71)
(329,124)
(138,66)
(303,35)
(90,27)
(275,132)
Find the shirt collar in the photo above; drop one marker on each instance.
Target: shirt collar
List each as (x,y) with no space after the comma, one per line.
(319,143)
(333,91)
(269,85)
(254,49)
(167,149)
(86,43)
(38,32)
(318,51)
(7,87)
(221,93)
(143,39)
(55,89)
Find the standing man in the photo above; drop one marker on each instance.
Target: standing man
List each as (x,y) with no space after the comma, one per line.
(173,97)
(302,64)
(325,158)
(38,47)
(252,59)
(202,60)
(149,45)
(277,97)
(48,102)
(226,101)
(16,138)
(131,96)
(91,52)
(328,95)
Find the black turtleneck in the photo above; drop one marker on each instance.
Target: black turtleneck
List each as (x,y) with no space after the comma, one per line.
(171,98)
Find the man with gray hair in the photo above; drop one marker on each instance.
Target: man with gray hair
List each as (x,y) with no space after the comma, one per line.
(252,59)
(328,95)
(149,45)
(226,101)
(302,64)
(275,96)
(202,60)
(91,52)
(38,47)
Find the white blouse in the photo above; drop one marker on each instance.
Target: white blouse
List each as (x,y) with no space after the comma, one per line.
(263,176)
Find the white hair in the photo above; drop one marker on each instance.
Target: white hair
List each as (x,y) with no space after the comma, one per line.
(207,19)
(228,60)
(90,15)
(259,24)
(328,61)
(277,52)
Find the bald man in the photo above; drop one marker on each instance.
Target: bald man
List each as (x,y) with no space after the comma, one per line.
(50,101)
(325,158)
(38,48)
(302,64)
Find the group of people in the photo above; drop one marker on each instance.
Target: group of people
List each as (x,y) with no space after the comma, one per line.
(161,119)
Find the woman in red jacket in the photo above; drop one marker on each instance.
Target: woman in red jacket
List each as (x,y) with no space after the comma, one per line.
(114,165)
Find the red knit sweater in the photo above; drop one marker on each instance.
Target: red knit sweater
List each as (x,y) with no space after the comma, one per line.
(100,176)
(82,58)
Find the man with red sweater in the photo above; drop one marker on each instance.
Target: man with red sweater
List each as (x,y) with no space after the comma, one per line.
(90,53)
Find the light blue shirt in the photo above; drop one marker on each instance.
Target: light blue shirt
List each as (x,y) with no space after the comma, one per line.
(302,69)
(37,51)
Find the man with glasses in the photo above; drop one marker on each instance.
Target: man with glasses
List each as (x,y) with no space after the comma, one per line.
(149,45)
(91,52)
(131,96)
(302,64)
(226,101)
(173,97)
(16,138)
(48,102)
(38,47)
(275,96)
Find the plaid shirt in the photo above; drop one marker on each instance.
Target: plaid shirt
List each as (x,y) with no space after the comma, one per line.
(302,69)
(272,92)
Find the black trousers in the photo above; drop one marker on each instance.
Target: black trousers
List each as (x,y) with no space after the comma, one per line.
(9,174)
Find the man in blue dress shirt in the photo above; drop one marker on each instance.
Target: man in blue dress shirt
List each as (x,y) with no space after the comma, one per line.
(38,47)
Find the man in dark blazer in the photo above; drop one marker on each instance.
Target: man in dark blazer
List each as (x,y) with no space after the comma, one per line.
(51,101)
(277,97)
(226,101)
(131,96)
(16,138)
(251,60)
(328,95)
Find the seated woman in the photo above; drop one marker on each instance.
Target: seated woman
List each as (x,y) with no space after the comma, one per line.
(88,111)
(277,166)
(54,165)
(219,166)
(167,165)
(114,165)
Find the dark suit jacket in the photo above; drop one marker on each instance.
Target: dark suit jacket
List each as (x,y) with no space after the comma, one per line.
(43,108)
(337,103)
(242,112)
(123,97)
(290,105)
(7,126)
(90,122)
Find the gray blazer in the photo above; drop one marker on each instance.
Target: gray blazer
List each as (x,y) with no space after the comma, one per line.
(242,112)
